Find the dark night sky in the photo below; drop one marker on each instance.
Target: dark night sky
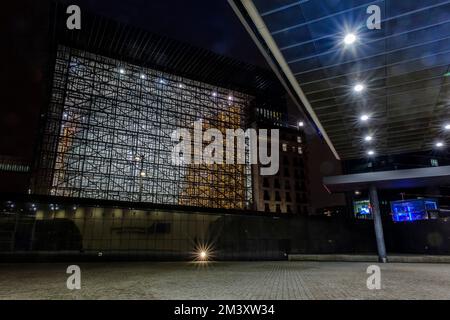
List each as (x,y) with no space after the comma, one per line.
(204,23)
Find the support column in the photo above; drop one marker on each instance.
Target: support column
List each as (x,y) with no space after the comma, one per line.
(376,214)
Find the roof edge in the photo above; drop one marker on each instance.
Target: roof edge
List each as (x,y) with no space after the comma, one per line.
(275,57)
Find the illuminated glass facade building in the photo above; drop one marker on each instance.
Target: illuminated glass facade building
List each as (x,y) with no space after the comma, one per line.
(103,183)
(116,100)
(108,135)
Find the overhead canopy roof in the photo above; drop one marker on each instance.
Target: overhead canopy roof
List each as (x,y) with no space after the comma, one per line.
(410,178)
(404,67)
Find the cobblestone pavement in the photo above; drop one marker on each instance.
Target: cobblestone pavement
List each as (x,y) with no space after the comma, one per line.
(225,280)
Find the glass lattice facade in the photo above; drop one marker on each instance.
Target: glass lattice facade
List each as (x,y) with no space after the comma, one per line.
(108,130)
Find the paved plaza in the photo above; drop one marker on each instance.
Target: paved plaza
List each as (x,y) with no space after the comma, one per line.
(225,280)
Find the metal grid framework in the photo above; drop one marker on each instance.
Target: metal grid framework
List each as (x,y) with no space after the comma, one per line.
(108,135)
(404,67)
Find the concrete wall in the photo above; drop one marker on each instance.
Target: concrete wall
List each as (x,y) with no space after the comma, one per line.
(123,233)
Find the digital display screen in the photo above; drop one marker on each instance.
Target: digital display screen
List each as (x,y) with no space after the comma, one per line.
(412,210)
(362,209)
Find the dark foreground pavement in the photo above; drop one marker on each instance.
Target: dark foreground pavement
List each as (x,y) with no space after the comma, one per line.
(225,280)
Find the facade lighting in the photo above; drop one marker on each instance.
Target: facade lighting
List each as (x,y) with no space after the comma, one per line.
(370,152)
(447,126)
(368,138)
(364,117)
(439,144)
(358,87)
(350,38)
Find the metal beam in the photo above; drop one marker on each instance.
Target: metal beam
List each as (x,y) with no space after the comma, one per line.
(262,29)
(409,178)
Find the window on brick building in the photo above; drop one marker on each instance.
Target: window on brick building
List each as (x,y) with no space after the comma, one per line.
(277,196)
(277,183)
(287,184)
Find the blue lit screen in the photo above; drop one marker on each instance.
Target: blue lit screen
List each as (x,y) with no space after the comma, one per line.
(412,210)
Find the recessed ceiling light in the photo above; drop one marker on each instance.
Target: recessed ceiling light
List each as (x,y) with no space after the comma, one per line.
(439,144)
(301,123)
(358,87)
(350,38)
(370,152)
(364,117)
(368,138)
